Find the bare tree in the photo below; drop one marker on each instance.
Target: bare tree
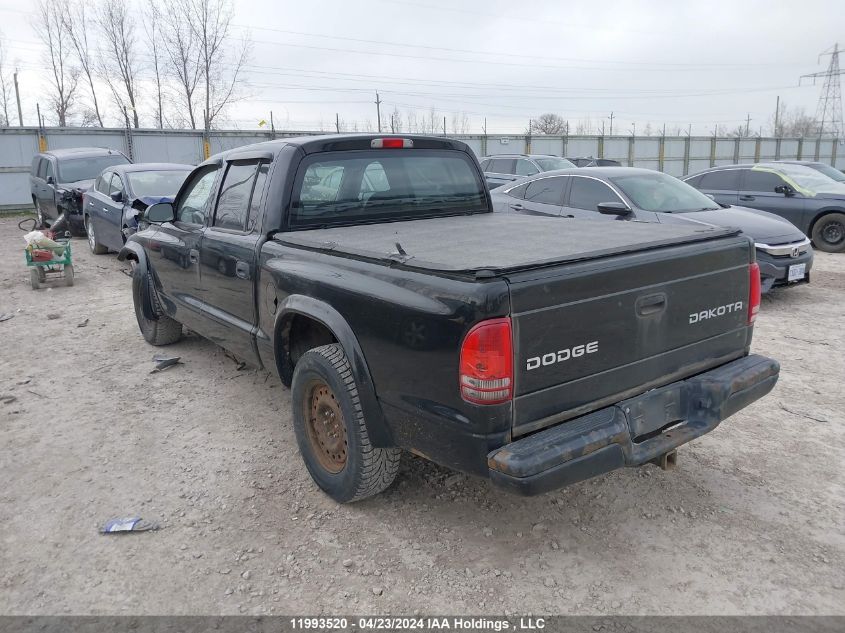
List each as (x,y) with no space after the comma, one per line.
(6,82)
(211,22)
(153,20)
(794,122)
(63,77)
(395,121)
(75,27)
(584,126)
(460,123)
(182,58)
(548,123)
(119,62)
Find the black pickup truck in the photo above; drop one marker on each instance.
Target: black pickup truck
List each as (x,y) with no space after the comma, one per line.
(371,276)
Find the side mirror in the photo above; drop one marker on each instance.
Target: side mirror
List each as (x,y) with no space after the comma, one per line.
(117,196)
(51,180)
(784,189)
(613,208)
(159,212)
(711,196)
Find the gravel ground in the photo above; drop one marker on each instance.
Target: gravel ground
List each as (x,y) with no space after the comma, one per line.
(751,522)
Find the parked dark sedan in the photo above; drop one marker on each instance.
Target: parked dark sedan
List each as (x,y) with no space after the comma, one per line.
(626,193)
(804,196)
(505,168)
(589,161)
(60,176)
(120,194)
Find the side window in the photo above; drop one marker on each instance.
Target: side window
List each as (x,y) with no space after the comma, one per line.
(103,182)
(36,164)
(760,181)
(193,205)
(48,169)
(115,185)
(257,191)
(233,203)
(484,164)
(723,180)
(587,193)
(694,181)
(501,166)
(518,192)
(546,191)
(525,168)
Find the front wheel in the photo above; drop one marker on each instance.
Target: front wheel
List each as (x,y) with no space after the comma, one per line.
(161,330)
(329,424)
(829,233)
(93,242)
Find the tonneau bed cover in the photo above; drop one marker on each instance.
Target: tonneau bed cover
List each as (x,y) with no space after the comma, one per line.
(495,242)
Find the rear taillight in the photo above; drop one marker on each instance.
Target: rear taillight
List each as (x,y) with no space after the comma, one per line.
(753,292)
(391,143)
(486,369)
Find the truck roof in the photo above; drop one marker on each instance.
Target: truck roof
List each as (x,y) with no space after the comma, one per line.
(334,142)
(495,242)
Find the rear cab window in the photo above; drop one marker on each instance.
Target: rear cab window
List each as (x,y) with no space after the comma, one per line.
(354,187)
(88,168)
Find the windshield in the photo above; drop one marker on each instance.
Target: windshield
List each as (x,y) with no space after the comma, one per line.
(156,183)
(662,193)
(75,169)
(354,187)
(806,179)
(553,162)
(830,172)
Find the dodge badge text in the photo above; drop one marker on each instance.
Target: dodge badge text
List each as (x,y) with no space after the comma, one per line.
(712,313)
(563,355)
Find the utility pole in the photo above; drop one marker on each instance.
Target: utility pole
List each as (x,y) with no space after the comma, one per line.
(689,130)
(444,126)
(18,97)
(777,115)
(829,109)
(272,126)
(602,128)
(747,123)
(634,128)
(485,126)
(337,122)
(378,111)
(611,124)
(664,130)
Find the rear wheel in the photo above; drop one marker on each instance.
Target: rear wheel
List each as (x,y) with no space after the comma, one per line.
(829,233)
(329,424)
(68,274)
(34,278)
(93,244)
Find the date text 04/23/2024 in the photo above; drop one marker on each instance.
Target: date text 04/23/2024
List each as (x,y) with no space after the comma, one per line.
(382,623)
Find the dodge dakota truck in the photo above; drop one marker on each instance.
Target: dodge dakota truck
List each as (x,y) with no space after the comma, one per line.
(370,275)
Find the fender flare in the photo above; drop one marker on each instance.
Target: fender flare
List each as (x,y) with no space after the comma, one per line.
(142,287)
(377,428)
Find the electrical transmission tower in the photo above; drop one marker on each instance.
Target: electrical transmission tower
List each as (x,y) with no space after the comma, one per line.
(829,110)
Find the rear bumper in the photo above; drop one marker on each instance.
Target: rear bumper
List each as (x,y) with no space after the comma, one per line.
(632,432)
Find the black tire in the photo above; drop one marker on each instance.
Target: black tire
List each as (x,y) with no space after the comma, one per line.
(93,243)
(159,331)
(829,233)
(365,471)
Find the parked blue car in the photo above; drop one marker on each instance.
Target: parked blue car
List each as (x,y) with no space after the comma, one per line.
(120,194)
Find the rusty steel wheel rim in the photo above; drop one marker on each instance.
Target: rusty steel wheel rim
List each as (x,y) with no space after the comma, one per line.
(326,427)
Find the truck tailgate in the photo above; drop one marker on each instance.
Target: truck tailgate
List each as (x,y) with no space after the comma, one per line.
(591,333)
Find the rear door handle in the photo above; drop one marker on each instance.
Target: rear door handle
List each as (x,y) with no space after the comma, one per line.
(517,206)
(193,255)
(242,270)
(746,198)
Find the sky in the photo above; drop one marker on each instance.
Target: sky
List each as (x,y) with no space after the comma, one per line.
(678,63)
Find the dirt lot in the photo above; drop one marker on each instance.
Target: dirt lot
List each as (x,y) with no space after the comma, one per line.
(751,522)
